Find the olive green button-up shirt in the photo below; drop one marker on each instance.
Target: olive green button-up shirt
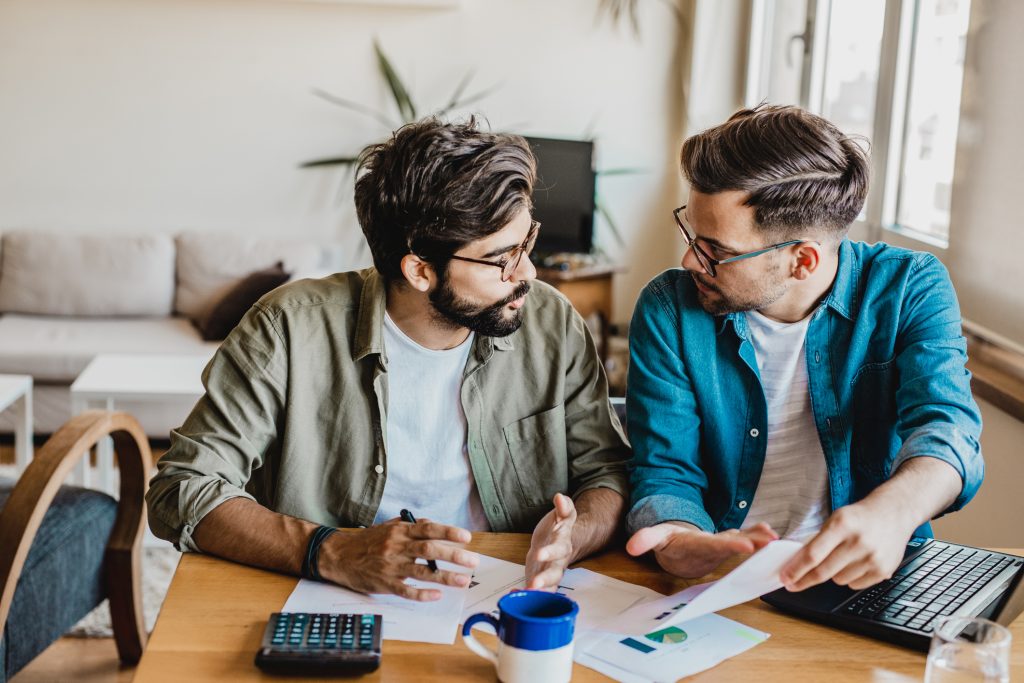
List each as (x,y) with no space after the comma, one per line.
(295,407)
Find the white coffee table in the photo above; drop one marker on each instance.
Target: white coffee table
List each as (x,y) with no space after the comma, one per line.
(113,377)
(16,393)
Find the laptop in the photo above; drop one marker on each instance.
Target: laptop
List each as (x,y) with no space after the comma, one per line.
(935,579)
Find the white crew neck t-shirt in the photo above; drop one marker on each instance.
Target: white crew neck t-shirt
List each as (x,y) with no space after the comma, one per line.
(428,470)
(792,494)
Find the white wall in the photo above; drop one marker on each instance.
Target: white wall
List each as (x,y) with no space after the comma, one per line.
(993,518)
(986,231)
(163,115)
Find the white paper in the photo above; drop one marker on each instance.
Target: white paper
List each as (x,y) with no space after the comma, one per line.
(403,619)
(705,642)
(600,597)
(752,579)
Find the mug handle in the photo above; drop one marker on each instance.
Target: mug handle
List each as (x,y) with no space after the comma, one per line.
(474,644)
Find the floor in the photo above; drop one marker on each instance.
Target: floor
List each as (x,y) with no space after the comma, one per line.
(82,660)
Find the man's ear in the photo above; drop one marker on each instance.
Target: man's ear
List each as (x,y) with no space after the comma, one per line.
(418,273)
(807,258)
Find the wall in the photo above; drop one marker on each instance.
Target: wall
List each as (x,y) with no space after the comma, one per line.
(992,519)
(163,115)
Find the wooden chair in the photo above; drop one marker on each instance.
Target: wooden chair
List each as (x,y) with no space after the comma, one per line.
(31,497)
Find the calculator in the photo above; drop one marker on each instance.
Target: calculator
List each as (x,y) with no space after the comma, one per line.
(323,644)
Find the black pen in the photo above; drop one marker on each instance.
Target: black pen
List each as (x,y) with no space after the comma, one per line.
(407,516)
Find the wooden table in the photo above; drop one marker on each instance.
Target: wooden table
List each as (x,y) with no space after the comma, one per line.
(213,619)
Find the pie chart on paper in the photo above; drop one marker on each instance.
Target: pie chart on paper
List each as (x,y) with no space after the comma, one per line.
(672,635)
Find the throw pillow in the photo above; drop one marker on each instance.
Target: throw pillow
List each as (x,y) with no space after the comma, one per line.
(226,313)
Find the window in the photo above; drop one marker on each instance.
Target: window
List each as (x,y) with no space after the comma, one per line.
(888,70)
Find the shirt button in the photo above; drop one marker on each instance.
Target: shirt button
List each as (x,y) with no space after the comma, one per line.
(379,469)
(742,504)
(755,432)
(817,356)
(495,509)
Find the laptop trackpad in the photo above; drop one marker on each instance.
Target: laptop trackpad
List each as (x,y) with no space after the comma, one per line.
(821,598)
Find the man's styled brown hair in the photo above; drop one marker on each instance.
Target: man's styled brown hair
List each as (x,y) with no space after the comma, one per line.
(433,187)
(799,170)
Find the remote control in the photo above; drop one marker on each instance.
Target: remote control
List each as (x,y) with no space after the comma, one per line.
(324,644)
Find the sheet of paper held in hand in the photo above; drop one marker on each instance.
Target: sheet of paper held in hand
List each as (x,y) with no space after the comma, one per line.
(758,575)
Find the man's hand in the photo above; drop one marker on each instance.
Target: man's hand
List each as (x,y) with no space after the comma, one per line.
(858,546)
(863,543)
(684,550)
(551,547)
(379,559)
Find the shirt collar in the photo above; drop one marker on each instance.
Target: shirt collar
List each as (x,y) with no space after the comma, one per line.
(842,298)
(369,337)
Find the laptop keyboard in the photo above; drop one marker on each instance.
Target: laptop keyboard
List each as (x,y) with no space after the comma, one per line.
(937,582)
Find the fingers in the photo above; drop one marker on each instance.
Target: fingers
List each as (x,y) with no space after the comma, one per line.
(650,538)
(404,590)
(564,508)
(761,534)
(546,580)
(810,556)
(834,562)
(441,550)
(853,572)
(425,528)
(423,572)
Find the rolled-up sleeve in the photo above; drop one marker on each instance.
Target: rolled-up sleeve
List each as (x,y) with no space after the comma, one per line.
(228,434)
(668,482)
(937,414)
(598,452)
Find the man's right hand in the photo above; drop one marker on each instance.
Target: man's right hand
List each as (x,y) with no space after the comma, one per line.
(379,559)
(684,550)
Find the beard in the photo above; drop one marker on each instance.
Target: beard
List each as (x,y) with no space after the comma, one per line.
(764,293)
(490,321)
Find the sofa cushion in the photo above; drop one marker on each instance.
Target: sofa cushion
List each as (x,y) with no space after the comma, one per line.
(210,264)
(86,275)
(225,314)
(58,349)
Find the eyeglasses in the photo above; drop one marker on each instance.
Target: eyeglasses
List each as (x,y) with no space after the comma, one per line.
(710,264)
(509,263)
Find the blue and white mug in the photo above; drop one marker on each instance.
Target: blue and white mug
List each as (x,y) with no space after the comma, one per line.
(535,632)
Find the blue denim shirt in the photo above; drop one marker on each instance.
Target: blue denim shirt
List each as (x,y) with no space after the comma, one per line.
(885,365)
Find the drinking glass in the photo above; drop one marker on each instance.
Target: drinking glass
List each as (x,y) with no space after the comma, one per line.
(968,649)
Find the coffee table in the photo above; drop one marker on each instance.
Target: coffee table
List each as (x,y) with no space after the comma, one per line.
(16,393)
(113,377)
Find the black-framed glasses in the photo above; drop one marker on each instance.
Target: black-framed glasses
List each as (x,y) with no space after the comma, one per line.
(510,262)
(711,264)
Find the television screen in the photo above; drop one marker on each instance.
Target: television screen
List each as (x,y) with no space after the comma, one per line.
(563,197)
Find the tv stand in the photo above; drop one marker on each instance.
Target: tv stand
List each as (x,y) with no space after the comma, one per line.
(589,290)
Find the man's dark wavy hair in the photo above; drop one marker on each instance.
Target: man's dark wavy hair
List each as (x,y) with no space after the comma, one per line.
(800,172)
(433,187)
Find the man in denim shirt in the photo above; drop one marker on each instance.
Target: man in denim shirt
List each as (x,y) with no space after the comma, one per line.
(789,377)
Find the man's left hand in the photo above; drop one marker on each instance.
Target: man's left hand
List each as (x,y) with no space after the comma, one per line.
(858,546)
(551,548)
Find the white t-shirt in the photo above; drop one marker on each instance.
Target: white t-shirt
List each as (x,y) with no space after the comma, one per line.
(428,469)
(792,494)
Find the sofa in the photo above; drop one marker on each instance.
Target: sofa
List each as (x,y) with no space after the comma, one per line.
(65,298)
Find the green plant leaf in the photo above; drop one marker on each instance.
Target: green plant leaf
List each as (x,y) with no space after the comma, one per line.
(355,106)
(330,161)
(620,171)
(398,90)
(467,100)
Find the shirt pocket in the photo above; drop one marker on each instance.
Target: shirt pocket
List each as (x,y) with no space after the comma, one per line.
(537,449)
(875,441)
